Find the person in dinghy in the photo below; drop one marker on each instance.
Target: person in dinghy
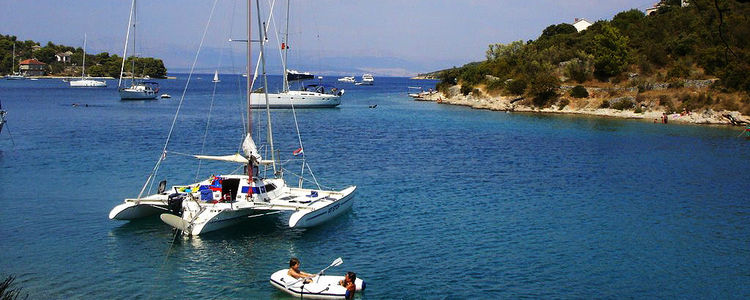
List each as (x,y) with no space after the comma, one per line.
(349,283)
(295,272)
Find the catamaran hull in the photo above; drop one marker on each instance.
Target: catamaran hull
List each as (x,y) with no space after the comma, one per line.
(131,211)
(221,220)
(304,219)
(322,287)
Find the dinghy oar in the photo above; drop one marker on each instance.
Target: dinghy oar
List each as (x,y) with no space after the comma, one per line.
(335,263)
(174,221)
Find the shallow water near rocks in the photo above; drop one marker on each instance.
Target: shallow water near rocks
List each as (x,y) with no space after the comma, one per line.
(452,202)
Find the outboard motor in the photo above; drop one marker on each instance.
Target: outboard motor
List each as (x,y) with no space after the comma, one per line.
(162,187)
(174,203)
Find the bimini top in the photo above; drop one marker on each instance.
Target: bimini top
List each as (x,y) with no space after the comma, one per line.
(323,89)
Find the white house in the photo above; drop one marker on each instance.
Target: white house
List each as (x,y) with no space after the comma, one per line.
(64,56)
(581,24)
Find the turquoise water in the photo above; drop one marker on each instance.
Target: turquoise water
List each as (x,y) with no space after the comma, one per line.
(452,203)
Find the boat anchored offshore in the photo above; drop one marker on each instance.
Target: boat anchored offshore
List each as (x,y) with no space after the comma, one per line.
(321,286)
(138,90)
(223,200)
(310,96)
(86,82)
(349,79)
(13,74)
(367,79)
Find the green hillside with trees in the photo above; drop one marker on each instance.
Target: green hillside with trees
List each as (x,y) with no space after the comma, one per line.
(102,64)
(706,40)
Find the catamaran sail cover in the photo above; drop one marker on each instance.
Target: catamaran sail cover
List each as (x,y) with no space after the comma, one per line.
(230,158)
(250,149)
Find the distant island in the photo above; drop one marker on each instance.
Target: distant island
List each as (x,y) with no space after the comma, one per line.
(61,60)
(684,59)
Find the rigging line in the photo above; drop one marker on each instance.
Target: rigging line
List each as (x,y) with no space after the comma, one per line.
(127,38)
(210,111)
(7,128)
(179,106)
(313,175)
(257,65)
(238,81)
(320,186)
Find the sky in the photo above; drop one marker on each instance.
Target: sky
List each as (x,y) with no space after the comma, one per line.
(327,37)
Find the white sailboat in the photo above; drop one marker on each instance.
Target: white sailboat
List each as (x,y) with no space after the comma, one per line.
(224,200)
(13,74)
(310,96)
(138,90)
(86,82)
(216,77)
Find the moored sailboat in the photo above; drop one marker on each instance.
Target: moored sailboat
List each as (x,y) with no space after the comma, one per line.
(224,200)
(86,82)
(13,74)
(138,90)
(310,96)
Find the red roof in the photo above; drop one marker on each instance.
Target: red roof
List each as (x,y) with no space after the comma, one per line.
(31,62)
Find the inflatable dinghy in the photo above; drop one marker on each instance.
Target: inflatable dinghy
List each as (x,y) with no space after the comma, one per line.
(321,287)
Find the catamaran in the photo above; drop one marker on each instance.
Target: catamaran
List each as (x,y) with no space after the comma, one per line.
(86,82)
(138,90)
(224,200)
(309,96)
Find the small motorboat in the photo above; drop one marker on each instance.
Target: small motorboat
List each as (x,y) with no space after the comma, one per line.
(349,79)
(165,96)
(321,287)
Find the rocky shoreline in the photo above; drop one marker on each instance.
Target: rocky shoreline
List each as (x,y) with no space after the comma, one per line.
(589,107)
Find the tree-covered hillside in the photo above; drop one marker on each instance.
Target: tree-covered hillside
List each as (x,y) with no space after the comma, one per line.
(704,40)
(102,64)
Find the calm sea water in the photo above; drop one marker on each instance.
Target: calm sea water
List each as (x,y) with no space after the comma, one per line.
(452,203)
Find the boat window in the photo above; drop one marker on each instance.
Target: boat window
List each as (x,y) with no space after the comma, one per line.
(270,187)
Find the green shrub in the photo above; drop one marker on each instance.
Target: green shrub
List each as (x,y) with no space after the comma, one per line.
(678,71)
(466,89)
(495,85)
(517,86)
(623,104)
(579,70)
(638,109)
(579,92)
(605,104)
(666,103)
(476,92)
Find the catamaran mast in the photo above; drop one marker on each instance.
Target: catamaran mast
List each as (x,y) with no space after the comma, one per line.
(261,34)
(286,47)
